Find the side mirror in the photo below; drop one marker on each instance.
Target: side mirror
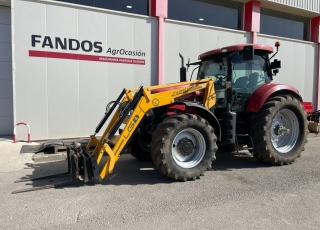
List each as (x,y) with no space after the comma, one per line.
(275,64)
(248,53)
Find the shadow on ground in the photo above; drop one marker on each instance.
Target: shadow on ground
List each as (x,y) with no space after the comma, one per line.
(129,171)
(232,160)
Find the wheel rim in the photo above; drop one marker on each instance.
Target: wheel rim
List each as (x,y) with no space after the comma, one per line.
(188,148)
(282,139)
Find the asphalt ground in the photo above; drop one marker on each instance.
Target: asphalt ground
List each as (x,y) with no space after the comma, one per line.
(240,193)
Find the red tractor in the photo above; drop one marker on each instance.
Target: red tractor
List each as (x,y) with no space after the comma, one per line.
(250,112)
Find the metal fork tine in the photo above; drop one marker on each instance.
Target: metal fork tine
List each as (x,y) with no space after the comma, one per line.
(44,187)
(70,172)
(50,176)
(42,177)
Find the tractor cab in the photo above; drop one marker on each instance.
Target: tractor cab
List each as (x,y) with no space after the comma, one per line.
(241,75)
(237,72)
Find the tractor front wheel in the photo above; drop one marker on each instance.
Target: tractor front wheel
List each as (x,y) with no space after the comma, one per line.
(279,130)
(183,147)
(140,146)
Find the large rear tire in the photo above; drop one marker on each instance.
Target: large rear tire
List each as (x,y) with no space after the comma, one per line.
(183,147)
(279,130)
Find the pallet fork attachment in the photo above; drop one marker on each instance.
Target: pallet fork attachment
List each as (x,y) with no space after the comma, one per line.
(79,163)
(133,105)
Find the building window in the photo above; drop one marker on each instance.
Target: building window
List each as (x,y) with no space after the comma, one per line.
(224,13)
(129,6)
(283,24)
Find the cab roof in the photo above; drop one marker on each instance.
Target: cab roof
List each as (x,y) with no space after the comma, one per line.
(228,49)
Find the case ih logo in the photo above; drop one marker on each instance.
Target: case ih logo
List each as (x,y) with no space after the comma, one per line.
(69,44)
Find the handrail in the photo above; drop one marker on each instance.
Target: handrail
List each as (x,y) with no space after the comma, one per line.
(14,132)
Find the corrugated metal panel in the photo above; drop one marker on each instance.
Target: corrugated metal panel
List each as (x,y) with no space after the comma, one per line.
(306,8)
(288,9)
(310,5)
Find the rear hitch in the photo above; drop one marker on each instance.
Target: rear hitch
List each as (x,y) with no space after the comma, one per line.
(81,165)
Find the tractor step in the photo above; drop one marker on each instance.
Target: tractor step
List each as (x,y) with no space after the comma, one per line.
(245,148)
(248,148)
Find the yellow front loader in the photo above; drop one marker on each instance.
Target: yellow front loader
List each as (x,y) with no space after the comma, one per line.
(182,140)
(135,106)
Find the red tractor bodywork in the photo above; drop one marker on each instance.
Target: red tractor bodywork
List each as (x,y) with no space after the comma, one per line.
(261,94)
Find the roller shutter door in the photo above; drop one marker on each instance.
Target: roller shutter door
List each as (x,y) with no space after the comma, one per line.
(6,92)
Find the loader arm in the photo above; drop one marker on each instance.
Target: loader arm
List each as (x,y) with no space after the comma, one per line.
(139,101)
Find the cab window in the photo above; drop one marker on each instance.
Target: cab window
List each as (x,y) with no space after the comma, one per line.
(248,74)
(216,69)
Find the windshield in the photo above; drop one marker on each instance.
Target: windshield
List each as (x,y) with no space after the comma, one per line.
(216,69)
(246,74)
(246,77)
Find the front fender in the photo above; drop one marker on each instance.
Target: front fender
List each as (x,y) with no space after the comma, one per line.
(264,92)
(206,114)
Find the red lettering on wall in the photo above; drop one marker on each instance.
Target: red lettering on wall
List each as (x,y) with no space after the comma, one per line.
(85,57)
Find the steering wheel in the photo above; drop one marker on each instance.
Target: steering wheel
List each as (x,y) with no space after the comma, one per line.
(223,77)
(220,80)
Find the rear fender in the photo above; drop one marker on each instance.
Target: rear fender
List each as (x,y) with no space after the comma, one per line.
(259,97)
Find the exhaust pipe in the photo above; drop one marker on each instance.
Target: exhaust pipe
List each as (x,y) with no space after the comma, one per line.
(183,70)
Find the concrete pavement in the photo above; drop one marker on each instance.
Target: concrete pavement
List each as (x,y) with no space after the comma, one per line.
(240,193)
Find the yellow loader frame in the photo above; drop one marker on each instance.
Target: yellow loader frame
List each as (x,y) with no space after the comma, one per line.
(150,97)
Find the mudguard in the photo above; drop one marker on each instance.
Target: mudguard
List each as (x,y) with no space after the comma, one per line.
(261,94)
(207,114)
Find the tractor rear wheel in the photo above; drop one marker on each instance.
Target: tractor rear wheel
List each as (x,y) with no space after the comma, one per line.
(279,130)
(183,147)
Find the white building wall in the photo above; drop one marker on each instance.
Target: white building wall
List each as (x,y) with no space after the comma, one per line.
(67,98)
(191,40)
(299,58)
(298,65)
